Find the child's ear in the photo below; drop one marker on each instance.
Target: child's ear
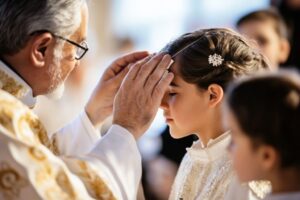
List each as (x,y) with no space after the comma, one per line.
(268,157)
(39,46)
(216,94)
(285,49)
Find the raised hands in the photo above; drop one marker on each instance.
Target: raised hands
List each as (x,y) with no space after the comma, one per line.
(141,92)
(100,105)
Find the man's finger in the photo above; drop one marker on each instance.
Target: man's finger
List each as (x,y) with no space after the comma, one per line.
(157,74)
(120,76)
(160,89)
(149,67)
(123,61)
(135,68)
(143,63)
(123,73)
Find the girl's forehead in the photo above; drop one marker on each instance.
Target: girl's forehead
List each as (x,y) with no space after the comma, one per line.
(174,68)
(178,80)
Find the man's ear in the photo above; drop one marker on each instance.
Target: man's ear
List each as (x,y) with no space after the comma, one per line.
(285,49)
(216,94)
(269,157)
(39,46)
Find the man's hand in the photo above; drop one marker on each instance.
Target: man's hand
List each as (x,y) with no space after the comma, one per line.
(141,93)
(100,105)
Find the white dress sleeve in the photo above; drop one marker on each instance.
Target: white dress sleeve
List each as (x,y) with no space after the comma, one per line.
(77,138)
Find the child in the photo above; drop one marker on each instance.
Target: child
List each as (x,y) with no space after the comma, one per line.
(264,115)
(269,30)
(205,62)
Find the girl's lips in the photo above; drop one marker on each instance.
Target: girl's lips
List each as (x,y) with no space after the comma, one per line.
(168,119)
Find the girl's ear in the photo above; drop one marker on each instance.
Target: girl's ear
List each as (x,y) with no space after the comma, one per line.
(216,94)
(285,49)
(268,157)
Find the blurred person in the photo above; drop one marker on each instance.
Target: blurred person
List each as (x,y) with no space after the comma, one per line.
(265,133)
(206,61)
(41,42)
(124,45)
(269,30)
(290,10)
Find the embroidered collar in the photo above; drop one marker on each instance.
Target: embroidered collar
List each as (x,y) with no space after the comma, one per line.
(284,196)
(214,149)
(15,85)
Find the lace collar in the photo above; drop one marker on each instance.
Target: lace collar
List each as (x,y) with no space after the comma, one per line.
(15,85)
(214,149)
(284,196)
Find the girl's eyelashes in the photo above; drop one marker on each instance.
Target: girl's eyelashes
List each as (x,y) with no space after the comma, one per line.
(172,93)
(231,145)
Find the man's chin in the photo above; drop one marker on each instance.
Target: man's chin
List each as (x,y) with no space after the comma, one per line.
(57,93)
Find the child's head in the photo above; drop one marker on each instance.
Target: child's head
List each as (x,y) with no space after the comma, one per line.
(269,30)
(206,61)
(264,114)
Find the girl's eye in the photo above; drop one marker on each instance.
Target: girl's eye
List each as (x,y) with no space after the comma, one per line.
(172,93)
(231,145)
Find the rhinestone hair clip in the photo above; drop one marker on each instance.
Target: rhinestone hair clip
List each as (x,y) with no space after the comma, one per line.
(215,60)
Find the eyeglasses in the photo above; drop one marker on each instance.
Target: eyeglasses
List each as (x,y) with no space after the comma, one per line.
(81,50)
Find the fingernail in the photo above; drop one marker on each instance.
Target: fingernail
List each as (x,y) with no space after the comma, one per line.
(171,62)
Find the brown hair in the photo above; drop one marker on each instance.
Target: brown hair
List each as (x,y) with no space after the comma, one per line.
(271,15)
(267,108)
(192,51)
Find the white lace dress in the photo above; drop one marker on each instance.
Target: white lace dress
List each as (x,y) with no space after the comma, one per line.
(205,172)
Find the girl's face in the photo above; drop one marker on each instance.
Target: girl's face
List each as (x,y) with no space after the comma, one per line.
(246,159)
(185,107)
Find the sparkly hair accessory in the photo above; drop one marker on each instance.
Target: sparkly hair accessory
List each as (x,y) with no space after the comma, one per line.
(215,60)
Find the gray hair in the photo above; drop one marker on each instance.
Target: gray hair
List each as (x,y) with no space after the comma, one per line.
(21,18)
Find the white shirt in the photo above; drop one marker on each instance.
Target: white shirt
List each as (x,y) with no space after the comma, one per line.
(205,172)
(115,157)
(284,196)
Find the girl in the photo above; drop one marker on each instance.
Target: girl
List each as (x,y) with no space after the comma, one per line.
(205,62)
(265,133)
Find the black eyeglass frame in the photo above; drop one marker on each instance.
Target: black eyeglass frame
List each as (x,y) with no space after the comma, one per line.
(85,49)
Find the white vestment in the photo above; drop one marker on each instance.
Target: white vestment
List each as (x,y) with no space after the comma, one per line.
(74,164)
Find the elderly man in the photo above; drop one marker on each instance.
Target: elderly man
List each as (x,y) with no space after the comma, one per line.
(41,41)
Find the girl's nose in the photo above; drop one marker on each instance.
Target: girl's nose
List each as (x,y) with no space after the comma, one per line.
(164,102)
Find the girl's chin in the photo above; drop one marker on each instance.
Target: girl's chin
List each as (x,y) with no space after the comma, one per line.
(177,134)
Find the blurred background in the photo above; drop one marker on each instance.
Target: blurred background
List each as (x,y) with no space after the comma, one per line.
(117,27)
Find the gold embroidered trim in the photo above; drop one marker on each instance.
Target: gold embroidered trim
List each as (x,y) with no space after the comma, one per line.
(11,183)
(260,188)
(94,183)
(21,123)
(10,85)
(54,146)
